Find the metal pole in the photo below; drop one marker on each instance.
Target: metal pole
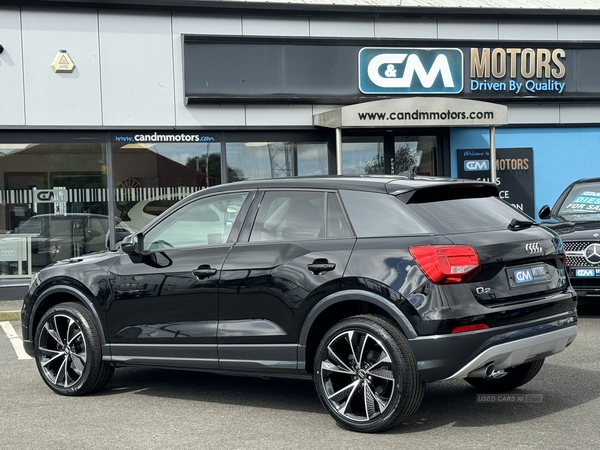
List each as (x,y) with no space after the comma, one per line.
(223,161)
(338,150)
(110,189)
(207,147)
(493,154)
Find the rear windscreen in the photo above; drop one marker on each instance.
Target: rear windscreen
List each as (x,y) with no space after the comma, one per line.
(467,214)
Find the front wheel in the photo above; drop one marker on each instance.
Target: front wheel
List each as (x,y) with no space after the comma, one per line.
(366,374)
(512,379)
(68,353)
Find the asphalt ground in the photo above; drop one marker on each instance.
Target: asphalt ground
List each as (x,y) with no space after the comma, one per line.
(162,409)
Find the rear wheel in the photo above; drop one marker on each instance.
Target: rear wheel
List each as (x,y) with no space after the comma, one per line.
(68,352)
(511,379)
(366,375)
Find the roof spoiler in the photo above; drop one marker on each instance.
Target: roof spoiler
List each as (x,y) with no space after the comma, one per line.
(443,192)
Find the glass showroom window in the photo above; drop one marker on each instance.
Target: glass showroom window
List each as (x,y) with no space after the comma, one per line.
(362,155)
(152,171)
(418,151)
(252,160)
(53,204)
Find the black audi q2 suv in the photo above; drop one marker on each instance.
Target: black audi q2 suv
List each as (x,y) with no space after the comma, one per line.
(370,286)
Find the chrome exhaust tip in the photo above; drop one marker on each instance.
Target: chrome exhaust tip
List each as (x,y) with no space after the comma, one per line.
(487,371)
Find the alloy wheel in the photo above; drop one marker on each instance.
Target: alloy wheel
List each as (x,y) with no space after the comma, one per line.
(62,351)
(358,375)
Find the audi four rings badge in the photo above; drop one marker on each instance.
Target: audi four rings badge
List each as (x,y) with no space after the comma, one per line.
(533,248)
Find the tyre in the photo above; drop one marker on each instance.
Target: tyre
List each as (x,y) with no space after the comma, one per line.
(68,353)
(512,379)
(366,375)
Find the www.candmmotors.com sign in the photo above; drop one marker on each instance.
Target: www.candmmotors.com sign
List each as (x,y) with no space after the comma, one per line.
(410,70)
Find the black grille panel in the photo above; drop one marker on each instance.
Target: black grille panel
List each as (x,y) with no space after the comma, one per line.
(576,246)
(575,251)
(579,283)
(577,261)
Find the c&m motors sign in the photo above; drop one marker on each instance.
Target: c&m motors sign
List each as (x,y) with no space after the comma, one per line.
(410,70)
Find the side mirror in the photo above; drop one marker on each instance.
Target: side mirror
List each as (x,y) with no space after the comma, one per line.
(133,244)
(91,234)
(545,212)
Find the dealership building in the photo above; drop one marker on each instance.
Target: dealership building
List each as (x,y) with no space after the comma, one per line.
(112,110)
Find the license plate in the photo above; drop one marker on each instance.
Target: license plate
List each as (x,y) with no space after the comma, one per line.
(585,273)
(527,275)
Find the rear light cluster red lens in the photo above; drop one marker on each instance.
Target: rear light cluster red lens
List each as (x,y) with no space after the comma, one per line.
(447,264)
(473,327)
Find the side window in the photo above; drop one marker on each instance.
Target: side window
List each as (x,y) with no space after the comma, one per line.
(299,215)
(207,221)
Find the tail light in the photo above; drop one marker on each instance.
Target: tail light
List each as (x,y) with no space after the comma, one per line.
(473,327)
(447,264)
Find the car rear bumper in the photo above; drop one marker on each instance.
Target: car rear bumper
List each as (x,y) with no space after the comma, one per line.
(445,357)
(519,352)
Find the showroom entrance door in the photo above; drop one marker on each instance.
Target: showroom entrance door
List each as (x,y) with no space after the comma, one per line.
(391,152)
(383,136)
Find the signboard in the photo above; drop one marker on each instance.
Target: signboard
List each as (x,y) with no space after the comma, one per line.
(514,173)
(13,248)
(58,196)
(252,69)
(49,195)
(414,112)
(410,70)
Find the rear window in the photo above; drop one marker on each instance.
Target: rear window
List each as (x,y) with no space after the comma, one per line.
(467,214)
(377,215)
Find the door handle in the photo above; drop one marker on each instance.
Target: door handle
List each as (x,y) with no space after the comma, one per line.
(320,266)
(204,271)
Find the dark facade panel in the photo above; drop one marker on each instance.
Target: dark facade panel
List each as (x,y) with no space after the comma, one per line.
(264,71)
(309,70)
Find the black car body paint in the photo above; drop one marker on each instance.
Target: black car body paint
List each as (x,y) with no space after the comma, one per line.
(250,301)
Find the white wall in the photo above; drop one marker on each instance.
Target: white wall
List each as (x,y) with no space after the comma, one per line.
(130,71)
(12,107)
(61,98)
(136,69)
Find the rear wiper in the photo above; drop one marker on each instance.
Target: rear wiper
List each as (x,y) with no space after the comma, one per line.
(517,224)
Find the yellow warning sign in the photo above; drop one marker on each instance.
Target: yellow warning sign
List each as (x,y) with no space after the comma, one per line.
(62,63)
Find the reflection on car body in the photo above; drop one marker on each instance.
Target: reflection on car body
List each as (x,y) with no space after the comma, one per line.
(57,237)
